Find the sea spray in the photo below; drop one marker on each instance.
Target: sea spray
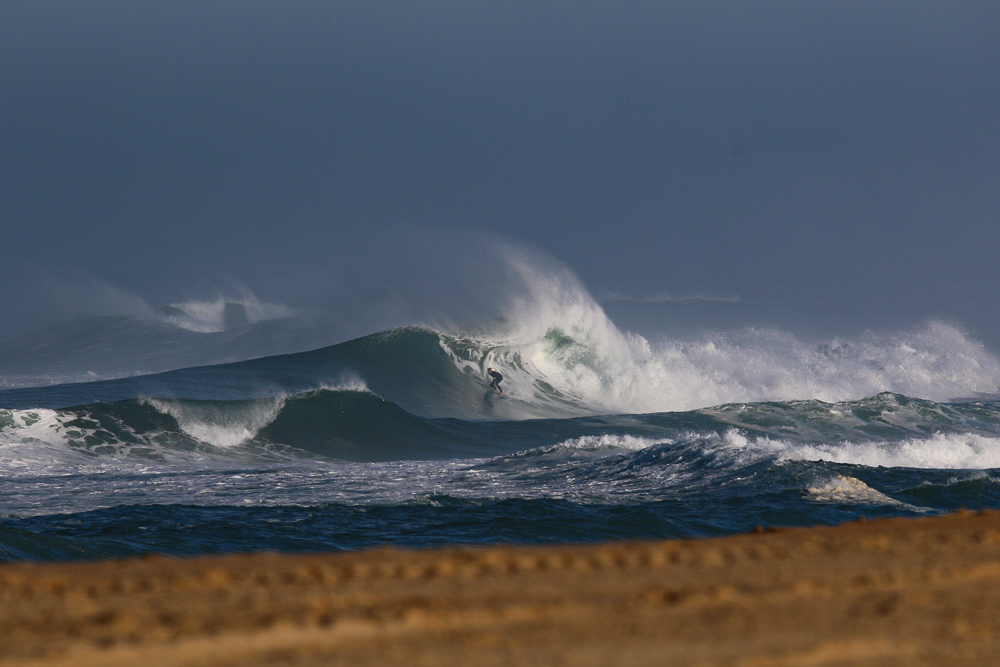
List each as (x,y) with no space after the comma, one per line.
(558,348)
(223,314)
(935,361)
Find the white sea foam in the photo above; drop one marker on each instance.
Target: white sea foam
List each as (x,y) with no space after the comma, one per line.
(966,451)
(610,442)
(556,336)
(52,442)
(845,489)
(32,438)
(230,424)
(346,382)
(226,425)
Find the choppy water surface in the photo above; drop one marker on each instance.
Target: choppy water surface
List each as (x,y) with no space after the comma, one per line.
(395,438)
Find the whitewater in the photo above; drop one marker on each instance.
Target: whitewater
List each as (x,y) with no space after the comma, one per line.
(396,438)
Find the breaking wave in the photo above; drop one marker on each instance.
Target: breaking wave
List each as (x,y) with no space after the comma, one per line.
(562,357)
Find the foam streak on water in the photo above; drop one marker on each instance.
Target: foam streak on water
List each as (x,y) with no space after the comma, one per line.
(960,451)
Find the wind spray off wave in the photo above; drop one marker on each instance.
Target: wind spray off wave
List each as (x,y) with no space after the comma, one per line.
(558,346)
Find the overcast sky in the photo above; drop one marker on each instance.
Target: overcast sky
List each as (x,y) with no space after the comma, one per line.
(821,162)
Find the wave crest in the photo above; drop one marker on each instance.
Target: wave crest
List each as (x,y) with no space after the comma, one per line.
(626,374)
(561,352)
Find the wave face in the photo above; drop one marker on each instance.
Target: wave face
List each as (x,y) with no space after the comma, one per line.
(397,438)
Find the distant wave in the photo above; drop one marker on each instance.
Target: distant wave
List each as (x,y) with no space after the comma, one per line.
(222,314)
(107,347)
(626,374)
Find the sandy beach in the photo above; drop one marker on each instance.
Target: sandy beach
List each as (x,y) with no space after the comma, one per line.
(899,591)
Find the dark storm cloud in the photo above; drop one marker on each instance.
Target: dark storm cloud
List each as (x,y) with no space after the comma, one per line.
(833,161)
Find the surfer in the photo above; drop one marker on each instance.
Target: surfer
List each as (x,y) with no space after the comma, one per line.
(497,378)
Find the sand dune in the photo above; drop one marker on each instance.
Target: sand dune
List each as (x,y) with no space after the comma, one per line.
(901,591)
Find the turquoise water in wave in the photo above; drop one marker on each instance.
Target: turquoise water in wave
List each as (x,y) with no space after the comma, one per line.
(395,439)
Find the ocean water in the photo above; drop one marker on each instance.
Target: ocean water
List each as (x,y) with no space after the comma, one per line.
(396,439)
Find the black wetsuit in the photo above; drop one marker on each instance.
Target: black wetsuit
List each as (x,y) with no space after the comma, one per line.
(497,378)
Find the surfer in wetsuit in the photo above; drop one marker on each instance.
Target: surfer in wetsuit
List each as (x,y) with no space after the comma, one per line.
(497,378)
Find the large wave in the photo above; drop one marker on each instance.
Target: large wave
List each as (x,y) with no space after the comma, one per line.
(562,356)
(556,340)
(670,438)
(626,374)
